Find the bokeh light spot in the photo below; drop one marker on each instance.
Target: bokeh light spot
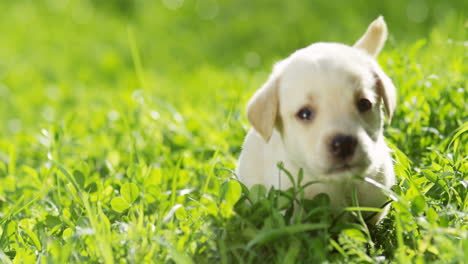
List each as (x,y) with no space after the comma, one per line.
(252,60)
(417,11)
(173,4)
(14,125)
(207,9)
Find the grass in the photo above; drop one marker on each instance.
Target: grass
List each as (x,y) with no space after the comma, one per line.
(123,120)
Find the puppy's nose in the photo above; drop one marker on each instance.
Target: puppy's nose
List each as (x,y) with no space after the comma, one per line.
(343,146)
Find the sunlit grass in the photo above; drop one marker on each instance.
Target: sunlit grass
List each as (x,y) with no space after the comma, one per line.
(119,141)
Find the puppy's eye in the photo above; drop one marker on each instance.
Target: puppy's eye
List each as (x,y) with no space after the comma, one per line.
(364,105)
(305,114)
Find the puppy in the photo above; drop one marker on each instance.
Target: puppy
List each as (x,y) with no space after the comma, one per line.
(322,111)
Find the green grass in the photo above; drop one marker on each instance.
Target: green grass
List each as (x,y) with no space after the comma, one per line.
(122,122)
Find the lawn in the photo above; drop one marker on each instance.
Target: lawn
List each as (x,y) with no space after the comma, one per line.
(122,122)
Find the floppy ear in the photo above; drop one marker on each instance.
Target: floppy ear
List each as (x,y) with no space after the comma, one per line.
(386,90)
(262,108)
(374,39)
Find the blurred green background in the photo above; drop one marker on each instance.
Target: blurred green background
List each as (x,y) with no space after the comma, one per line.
(186,34)
(54,48)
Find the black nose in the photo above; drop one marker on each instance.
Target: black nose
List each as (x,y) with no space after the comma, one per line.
(343,146)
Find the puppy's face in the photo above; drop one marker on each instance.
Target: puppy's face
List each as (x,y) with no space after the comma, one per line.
(326,101)
(330,114)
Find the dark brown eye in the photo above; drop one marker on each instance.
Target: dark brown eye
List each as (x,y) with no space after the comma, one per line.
(305,114)
(364,105)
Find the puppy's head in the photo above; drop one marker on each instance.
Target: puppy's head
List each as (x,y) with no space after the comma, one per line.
(327,102)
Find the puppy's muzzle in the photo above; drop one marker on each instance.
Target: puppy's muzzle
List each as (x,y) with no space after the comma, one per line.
(343,146)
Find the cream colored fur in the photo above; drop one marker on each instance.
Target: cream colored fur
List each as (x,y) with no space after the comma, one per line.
(329,78)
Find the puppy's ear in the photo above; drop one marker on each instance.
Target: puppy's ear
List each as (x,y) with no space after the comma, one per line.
(374,39)
(386,90)
(262,108)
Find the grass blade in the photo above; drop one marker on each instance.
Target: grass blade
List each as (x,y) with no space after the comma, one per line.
(268,235)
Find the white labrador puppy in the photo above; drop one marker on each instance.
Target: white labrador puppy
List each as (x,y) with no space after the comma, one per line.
(321,111)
